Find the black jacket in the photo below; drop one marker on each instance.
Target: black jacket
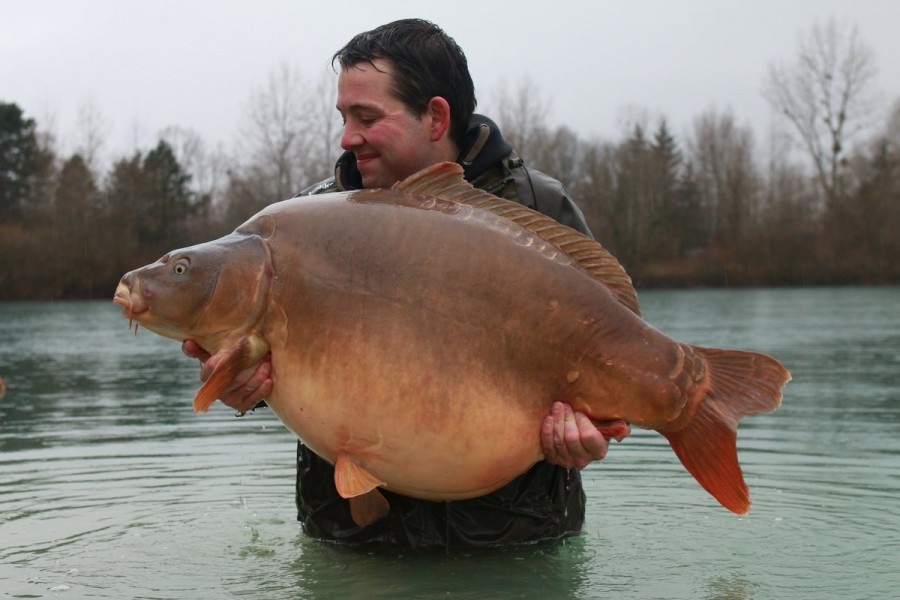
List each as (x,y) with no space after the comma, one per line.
(546,502)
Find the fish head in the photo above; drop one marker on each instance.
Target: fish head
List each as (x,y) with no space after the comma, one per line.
(209,292)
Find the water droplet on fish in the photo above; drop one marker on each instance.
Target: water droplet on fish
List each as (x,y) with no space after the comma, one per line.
(572,376)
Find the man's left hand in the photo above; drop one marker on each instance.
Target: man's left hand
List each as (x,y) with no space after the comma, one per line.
(570,439)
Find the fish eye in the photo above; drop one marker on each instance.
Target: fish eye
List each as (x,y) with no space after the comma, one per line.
(181,266)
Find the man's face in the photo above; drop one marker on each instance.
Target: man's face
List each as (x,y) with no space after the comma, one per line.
(390,143)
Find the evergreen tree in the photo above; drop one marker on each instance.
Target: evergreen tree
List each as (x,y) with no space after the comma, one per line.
(76,217)
(151,202)
(664,231)
(631,206)
(21,161)
(690,219)
(870,220)
(170,202)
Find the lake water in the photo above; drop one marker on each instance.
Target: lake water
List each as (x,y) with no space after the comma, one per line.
(111,487)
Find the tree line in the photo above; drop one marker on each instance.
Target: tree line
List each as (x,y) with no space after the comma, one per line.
(822,207)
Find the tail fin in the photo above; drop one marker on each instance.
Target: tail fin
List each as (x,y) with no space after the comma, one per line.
(740,384)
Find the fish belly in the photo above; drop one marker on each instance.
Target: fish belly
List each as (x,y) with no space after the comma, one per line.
(430,348)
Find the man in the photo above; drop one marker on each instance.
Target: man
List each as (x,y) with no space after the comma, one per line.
(407,102)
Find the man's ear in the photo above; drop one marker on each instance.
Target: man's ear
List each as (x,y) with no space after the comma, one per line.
(438,114)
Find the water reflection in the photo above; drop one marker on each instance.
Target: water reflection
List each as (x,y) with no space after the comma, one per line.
(331,571)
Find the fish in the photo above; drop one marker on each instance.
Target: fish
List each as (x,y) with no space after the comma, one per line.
(420,334)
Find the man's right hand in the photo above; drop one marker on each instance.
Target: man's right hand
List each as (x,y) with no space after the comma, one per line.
(248,388)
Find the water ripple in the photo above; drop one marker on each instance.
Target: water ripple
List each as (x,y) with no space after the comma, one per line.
(110,486)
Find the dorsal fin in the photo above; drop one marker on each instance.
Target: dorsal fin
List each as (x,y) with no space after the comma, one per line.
(445,180)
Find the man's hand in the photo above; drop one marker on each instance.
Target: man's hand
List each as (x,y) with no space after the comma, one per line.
(570,439)
(247,389)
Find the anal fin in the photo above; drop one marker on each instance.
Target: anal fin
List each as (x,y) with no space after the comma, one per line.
(354,482)
(368,508)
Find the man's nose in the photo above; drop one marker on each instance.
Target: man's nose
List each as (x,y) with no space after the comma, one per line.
(350,138)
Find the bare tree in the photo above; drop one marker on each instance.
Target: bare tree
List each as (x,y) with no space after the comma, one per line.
(722,154)
(594,191)
(522,116)
(893,126)
(824,95)
(559,154)
(289,140)
(324,128)
(291,131)
(276,122)
(206,168)
(91,131)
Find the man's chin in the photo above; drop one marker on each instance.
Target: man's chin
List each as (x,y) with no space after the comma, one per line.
(375,181)
(373,175)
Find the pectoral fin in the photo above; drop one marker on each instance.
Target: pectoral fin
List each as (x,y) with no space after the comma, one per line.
(247,352)
(352,481)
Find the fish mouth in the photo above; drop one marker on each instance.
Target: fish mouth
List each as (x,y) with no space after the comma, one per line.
(130,301)
(135,307)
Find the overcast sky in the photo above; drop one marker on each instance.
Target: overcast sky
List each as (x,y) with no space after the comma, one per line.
(195,63)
